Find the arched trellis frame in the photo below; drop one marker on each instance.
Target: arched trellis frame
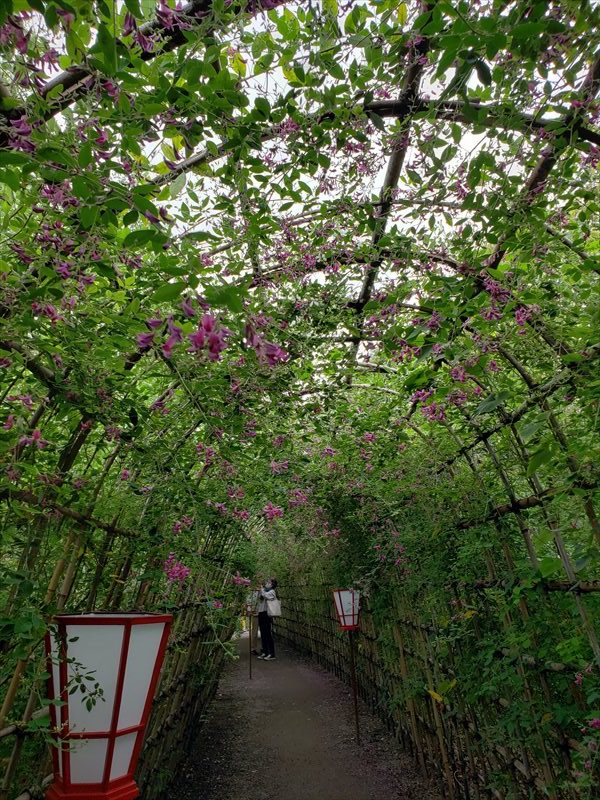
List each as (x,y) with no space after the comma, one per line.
(62,520)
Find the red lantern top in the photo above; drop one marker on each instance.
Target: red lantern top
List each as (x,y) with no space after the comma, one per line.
(347,606)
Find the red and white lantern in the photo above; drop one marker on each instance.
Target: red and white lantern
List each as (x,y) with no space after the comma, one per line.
(99,743)
(347,606)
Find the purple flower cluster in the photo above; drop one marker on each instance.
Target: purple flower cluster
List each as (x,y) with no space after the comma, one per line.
(271,511)
(175,570)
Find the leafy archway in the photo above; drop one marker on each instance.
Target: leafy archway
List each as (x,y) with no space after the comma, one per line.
(316,281)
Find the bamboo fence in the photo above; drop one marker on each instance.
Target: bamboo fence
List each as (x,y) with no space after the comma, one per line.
(195,655)
(401,659)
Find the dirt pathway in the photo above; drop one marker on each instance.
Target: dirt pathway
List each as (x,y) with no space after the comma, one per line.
(289,734)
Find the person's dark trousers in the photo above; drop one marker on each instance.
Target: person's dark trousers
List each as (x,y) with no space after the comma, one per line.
(265,624)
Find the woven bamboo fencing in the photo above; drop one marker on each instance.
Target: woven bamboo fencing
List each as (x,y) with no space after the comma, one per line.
(94,570)
(410,673)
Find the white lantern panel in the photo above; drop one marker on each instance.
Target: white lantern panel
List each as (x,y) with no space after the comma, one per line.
(96,652)
(347,603)
(122,755)
(141,659)
(87,760)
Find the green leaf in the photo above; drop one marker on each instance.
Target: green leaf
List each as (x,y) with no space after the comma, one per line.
(13,157)
(550,566)
(169,291)
(229,296)
(178,184)
(288,25)
(10,179)
(137,238)
(483,73)
(492,402)
(538,458)
(238,65)
(376,120)
(263,107)
(134,7)
(108,47)
(88,216)
(527,30)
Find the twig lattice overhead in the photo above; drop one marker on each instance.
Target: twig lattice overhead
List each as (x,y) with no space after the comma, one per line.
(313,284)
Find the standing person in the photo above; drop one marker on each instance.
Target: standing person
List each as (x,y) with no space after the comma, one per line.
(265,621)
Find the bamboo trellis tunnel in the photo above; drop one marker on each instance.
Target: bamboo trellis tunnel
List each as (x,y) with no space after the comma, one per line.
(287,286)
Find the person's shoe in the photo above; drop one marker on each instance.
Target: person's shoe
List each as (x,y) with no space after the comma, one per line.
(269,658)
(255,652)
(262,656)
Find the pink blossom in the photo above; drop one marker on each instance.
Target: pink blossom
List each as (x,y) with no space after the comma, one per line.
(145,42)
(125,474)
(497,292)
(67,18)
(217,343)
(188,308)
(175,337)
(129,24)
(145,340)
(297,498)
(434,412)
(197,340)
(208,323)
(26,399)
(458,374)
(35,438)
(277,467)
(111,89)
(434,322)
(594,723)
(420,395)
(9,422)
(271,511)
(175,570)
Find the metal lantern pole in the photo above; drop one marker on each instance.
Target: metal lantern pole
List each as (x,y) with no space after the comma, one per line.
(347,607)
(354,685)
(249,612)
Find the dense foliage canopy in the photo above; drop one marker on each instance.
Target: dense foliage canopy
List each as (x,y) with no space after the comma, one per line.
(316,281)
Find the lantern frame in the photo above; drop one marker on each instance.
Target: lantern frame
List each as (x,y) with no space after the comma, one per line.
(122,787)
(339,609)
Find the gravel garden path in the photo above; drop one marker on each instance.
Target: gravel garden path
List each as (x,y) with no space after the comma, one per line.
(288,733)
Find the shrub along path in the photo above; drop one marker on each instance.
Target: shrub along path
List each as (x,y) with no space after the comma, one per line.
(289,733)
